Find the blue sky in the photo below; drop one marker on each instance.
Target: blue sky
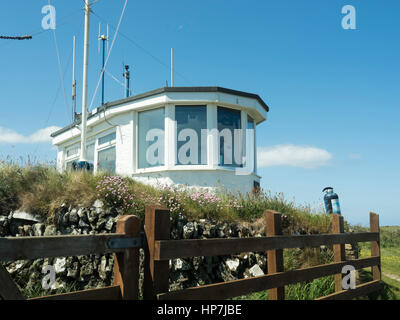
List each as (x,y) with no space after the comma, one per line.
(333,94)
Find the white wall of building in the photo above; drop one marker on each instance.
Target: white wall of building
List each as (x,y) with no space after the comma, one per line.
(205,179)
(123,121)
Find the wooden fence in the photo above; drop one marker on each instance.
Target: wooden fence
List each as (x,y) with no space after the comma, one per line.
(126,265)
(159,249)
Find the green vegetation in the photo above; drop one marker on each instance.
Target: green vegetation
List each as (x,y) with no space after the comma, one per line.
(390,259)
(300,291)
(42,190)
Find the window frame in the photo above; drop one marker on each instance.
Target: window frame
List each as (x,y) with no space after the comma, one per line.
(231,166)
(107,144)
(151,169)
(176,134)
(105,149)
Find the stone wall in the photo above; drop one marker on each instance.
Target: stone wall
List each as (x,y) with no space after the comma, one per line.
(83,272)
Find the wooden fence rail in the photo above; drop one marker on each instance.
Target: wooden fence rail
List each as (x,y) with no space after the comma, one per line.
(173,249)
(159,250)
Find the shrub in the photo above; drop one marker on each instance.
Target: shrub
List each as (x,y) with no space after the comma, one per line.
(115,192)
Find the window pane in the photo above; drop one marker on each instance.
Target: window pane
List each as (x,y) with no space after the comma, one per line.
(250,122)
(229,120)
(151,138)
(106,161)
(73,150)
(190,121)
(90,152)
(68,165)
(108,138)
(251,139)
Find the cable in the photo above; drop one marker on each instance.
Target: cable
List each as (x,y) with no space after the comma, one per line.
(57,92)
(144,49)
(38,32)
(109,52)
(54,102)
(60,68)
(61,74)
(116,80)
(16,38)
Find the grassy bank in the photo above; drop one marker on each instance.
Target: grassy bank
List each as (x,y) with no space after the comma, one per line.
(41,190)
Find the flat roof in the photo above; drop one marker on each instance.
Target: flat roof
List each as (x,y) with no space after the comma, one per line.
(165,90)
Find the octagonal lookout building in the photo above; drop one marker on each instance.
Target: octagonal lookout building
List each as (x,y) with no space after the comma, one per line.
(196,136)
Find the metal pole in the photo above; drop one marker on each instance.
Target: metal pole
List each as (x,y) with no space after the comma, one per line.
(102,76)
(172,67)
(127,90)
(125,81)
(73,78)
(128,76)
(85,81)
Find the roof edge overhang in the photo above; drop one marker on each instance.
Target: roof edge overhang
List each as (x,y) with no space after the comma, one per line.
(167,90)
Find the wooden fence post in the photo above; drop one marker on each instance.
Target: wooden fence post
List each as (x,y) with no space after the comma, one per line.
(8,289)
(338,249)
(274,257)
(375,245)
(126,263)
(156,273)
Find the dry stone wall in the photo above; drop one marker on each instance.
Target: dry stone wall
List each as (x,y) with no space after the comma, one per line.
(83,272)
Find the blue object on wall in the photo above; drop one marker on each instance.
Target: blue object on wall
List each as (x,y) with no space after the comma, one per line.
(331,201)
(82,166)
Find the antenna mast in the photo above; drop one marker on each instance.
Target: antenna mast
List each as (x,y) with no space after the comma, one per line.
(73,78)
(85,82)
(103,38)
(172,67)
(127,76)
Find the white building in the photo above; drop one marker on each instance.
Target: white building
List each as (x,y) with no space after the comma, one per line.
(146,137)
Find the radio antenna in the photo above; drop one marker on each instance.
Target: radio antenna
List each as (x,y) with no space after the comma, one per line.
(103,38)
(73,79)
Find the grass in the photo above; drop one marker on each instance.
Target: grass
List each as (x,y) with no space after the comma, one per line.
(299,291)
(41,190)
(38,291)
(390,260)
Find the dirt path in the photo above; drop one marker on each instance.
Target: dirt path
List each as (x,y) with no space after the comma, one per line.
(392,276)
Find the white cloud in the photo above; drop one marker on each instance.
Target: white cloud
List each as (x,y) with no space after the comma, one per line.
(290,155)
(10,136)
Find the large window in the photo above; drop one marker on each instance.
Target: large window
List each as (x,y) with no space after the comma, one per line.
(191,135)
(68,165)
(250,138)
(73,151)
(151,138)
(108,138)
(90,152)
(106,160)
(230,137)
